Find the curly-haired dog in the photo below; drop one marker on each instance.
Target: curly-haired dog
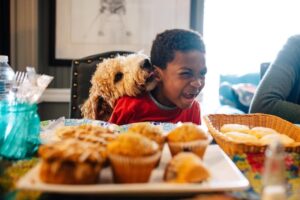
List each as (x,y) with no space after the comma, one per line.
(115,77)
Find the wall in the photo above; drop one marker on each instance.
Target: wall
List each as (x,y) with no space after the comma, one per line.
(61,74)
(30,47)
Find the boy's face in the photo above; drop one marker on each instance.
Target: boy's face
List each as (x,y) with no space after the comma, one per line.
(182,80)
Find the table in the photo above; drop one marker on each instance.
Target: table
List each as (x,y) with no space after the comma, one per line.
(250,164)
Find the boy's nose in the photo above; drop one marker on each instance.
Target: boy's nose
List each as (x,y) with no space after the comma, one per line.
(197,83)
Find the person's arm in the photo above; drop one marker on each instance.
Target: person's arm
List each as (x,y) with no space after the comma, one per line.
(277,84)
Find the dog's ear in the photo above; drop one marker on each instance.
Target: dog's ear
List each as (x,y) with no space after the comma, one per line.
(146,64)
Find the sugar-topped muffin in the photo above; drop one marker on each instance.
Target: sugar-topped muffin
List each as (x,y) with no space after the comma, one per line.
(132,157)
(186,167)
(87,132)
(81,130)
(71,161)
(188,137)
(149,130)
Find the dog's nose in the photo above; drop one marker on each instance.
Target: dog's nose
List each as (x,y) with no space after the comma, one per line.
(146,64)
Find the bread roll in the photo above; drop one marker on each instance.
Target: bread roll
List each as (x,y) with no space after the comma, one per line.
(234,128)
(284,139)
(242,137)
(259,131)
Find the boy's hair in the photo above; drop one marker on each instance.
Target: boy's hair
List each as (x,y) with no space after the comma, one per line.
(166,43)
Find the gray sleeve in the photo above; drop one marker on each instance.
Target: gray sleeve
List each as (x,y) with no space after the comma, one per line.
(278,82)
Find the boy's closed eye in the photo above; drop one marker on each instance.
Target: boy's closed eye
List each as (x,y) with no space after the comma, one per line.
(189,73)
(186,73)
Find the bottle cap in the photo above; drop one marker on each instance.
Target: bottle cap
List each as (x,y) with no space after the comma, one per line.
(3,58)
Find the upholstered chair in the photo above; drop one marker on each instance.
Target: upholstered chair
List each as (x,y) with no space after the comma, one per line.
(81,74)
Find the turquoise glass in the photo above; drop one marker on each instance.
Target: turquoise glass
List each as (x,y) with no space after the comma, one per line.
(3,121)
(21,129)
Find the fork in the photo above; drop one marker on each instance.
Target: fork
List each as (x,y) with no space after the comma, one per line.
(18,80)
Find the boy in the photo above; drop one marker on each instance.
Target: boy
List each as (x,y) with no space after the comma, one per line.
(178,57)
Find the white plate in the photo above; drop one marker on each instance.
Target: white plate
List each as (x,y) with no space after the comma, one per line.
(225,177)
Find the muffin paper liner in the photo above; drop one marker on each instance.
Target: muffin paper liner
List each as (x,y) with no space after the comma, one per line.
(133,170)
(198,147)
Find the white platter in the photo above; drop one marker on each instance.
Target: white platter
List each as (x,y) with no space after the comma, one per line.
(225,177)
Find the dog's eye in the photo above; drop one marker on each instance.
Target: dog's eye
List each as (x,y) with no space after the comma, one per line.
(118,77)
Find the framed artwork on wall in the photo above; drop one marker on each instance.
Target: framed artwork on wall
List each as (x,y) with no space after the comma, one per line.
(80,28)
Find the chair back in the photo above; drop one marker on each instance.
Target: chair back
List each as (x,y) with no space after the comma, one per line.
(81,75)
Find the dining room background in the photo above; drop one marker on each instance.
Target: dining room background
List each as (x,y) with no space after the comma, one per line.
(31,27)
(239,35)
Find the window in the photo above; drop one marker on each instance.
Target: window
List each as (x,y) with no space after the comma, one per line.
(241,34)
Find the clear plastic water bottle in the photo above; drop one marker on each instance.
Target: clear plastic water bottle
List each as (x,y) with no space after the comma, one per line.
(6,79)
(274,179)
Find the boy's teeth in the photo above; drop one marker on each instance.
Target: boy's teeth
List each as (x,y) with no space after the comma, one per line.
(189,95)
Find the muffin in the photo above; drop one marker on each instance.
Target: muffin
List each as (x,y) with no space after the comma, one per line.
(132,158)
(186,167)
(71,162)
(152,132)
(87,132)
(83,130)
(188,137)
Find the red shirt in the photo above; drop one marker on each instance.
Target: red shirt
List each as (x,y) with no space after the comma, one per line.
(140,109)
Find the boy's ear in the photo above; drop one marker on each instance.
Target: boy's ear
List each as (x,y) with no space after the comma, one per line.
(157,73)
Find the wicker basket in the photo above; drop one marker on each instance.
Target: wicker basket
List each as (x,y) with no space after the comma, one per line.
(215,121)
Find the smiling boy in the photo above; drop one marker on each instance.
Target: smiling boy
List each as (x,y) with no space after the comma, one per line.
(178,57)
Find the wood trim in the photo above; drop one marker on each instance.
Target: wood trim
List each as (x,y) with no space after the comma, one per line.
(56,95)
(24,35)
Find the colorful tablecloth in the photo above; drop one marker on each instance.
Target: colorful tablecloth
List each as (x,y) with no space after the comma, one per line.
(252,165)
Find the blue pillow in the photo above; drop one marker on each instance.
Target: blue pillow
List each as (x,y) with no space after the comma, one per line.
(237,95)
